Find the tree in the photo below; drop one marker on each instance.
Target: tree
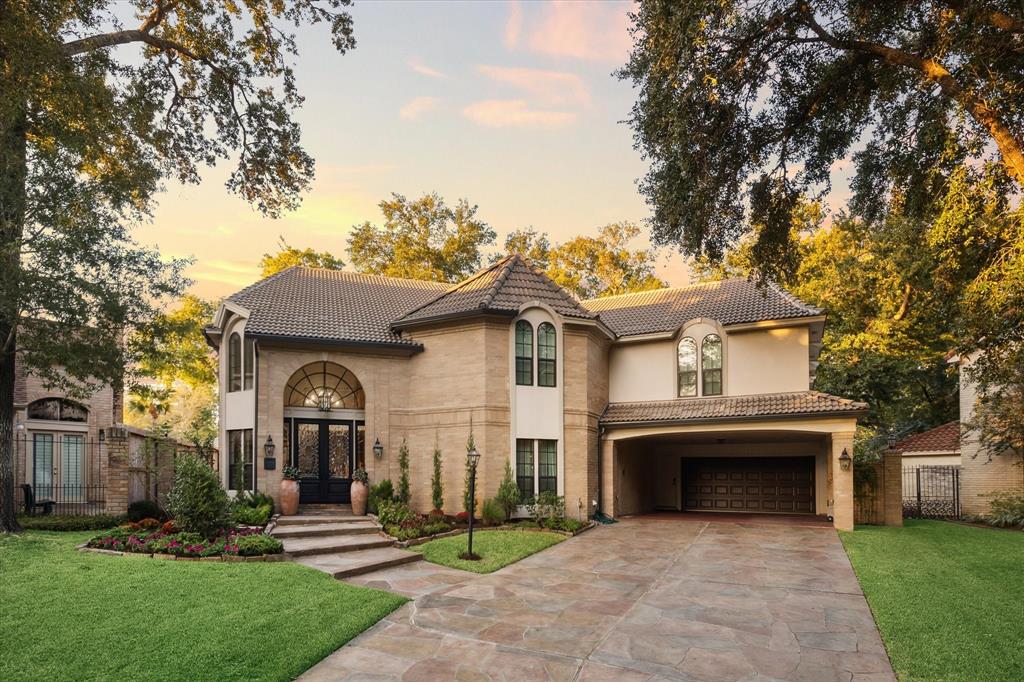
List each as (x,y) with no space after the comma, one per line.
(173,347)
(468,502)
(404,495)
(287,256)
(421,239)
(604,265)
(530,244)
(87,137)
(436,483)
(508,492)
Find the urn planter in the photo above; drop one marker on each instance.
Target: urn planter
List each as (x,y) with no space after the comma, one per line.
(289,497)
(360,492)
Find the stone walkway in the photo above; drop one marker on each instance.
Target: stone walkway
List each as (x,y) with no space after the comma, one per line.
(644,599)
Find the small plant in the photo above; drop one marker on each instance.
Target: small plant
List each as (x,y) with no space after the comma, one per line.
(291,473)
(255,545)
(547,509)
(508,493)
(393,513)
(492,512)
(360,476)
(252,516)
(144,509)
(197,501)
(404,495)
(436,486)
(380,493)
(1006,509)
(469,504)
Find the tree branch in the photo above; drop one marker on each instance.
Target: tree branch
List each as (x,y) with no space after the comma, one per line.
(992,17)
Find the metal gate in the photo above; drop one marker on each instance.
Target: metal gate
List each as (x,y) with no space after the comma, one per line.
(931,492)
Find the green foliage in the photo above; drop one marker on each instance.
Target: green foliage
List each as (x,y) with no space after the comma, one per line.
(253,499)
(604,265)
(1006,509)
(492,513)
(255,545)
(436,484)
(421,239)
(547,509)
(290,473)
(531,245)
(174,348)
(508,492)
(404,495)
(289,256)
(245,515)
(145,509)
(360,476)
(55,522)
(379,494)
(468,502)
(393,512)
(197,502)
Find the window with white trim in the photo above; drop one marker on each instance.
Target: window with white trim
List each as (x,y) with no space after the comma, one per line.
(711,365)
(240,462)
(536,467)
(687,367)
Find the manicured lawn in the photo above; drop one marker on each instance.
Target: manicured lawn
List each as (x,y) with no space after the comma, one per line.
(71,615)
(948,599)
(498,548)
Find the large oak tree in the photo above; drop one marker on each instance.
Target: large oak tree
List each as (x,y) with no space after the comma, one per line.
(100,103)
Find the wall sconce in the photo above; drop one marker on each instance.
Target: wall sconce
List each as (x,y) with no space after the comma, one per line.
(378,449)
(845,461)
(891,440)
(269,463)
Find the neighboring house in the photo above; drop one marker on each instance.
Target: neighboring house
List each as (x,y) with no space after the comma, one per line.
(981,473)
(693,398)
(936,447)
(57,442)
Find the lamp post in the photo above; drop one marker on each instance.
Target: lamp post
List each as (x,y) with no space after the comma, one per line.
(472,457)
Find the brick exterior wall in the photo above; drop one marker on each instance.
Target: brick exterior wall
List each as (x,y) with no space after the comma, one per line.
(882,505)
(118,460)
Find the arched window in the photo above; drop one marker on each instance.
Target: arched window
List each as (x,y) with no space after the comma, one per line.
(546,354)
(235,362)
(250,362)
(711,364)
(687,367)
(325,386)
(57,409)
(524,353)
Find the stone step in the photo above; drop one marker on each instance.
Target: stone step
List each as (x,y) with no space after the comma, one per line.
(325,508)
(334,544)
(350,564)
(320,519)
(309,530)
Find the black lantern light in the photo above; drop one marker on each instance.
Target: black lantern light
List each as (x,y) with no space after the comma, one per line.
(845,461)
(269,462)
(891,440)
(378,449)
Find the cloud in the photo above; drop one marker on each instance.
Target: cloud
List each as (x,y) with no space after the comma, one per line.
(552,88)
(419,105)
(506,113)
(597,31)
(422,69)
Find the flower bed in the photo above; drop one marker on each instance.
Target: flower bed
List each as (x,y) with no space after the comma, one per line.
(150,537)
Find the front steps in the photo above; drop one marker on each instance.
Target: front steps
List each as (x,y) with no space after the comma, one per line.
(330,538)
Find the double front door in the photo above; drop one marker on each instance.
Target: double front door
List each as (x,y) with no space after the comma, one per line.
(326,452)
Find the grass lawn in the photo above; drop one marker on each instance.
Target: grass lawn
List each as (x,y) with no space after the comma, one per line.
(71,615)
(498,548)
(948,599)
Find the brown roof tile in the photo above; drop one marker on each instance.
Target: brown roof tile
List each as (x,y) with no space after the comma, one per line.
(945,438)
(730,407)
(734,301)
(332,305)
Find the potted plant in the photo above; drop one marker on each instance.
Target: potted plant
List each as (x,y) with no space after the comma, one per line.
(290,491)
(360,491)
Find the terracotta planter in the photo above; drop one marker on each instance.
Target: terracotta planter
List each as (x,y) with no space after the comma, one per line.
(289,497)
(360,491)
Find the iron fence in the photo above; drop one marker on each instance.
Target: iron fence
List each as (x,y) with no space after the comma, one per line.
(60,472)
(931,492)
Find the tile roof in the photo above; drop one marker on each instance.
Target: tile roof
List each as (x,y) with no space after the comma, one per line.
(503,288)
(733,301)
(332,305)
(731,407)
(945,438)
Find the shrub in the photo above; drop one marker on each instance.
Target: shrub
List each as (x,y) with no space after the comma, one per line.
(145,509)
(382,492)
(252,516)
(197,501)
(404,495)
(462,517)
(468,503)
(547,509)
(53,522)
(254,500)
(508,493)
(393,513)
(568,525)
(436,527)
(1007,509)
(492,512)
(253,545)
(436,486)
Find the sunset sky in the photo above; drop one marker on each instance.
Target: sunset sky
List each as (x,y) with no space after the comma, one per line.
(510,105)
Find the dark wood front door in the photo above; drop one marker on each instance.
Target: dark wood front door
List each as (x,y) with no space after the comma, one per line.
(325,453)
(775,485)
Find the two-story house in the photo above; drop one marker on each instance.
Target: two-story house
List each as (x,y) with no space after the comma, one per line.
(690,399)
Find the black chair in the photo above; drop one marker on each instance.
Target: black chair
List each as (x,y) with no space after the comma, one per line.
(30,502)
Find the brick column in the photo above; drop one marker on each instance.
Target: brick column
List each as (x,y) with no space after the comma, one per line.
(608,501)
(841,489)
(892,488)
(116,451)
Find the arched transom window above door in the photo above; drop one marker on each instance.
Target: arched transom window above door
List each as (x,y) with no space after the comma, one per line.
(57,409)
(325,386)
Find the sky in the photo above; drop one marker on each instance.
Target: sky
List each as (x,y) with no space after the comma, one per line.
(511,105)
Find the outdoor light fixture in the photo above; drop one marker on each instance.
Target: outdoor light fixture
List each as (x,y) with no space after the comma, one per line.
(891,440)
(378,449)
(269,463)
(323,401)
(472,457)
(845,460)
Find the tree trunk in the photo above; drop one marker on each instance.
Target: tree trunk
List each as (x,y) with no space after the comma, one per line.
(13,174)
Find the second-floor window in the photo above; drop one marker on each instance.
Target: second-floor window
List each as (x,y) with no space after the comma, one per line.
(546,354)
(235,362)
(524,353)
(699,367)
(249,366)
(687,359)
(711,365)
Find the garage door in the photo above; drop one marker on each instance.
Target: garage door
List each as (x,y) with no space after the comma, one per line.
(780,485)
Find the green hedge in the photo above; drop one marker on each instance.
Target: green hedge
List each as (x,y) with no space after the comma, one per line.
(52,522)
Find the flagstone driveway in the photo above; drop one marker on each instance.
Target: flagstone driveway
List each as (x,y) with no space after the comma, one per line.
(646,598)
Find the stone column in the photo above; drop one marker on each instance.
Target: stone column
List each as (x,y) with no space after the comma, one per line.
(117,456)
(608,501)
(892,488)
(841,489)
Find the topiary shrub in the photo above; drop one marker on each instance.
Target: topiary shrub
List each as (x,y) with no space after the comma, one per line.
(508,493)
(197,501)
(404,494)
(436,485)
(145,509)
(56,522)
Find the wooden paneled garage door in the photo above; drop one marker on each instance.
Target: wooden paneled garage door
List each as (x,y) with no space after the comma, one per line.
(779,485)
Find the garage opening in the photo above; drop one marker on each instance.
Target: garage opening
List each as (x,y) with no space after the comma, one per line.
(769,485)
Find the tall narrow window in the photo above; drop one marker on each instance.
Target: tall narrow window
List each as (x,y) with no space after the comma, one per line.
(235,363)
(546,354)
(711,364)
(547,460)
(524,469)
(687,354)
(524,353)
(250,362)
(240,459)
